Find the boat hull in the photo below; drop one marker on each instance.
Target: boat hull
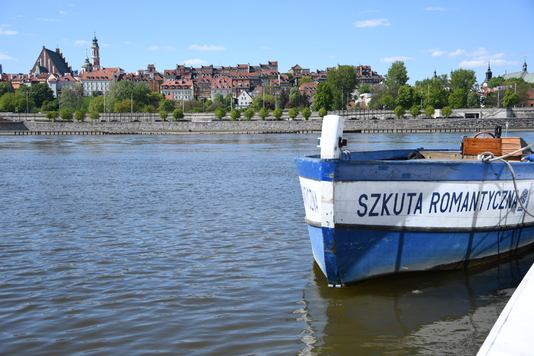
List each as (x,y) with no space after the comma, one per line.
(373,215)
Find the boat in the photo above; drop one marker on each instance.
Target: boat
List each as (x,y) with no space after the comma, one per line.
(383,212)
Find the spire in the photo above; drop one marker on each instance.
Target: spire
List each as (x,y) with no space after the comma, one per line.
(489,74)
(525,65)
(95,53)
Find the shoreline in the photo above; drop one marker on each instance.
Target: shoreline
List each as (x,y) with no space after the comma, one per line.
(261,127)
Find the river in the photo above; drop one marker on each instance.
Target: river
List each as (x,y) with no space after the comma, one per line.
(196,245)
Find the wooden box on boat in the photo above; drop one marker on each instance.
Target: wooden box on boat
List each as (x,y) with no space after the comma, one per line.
(498,146)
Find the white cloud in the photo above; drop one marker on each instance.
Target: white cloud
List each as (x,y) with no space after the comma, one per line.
(457,53)
(63,12)
(81,43)
(481,58)
(434,9)
(397,58)
(264,47)
(50,20)
(153,48)
(436,52)
(5,57)
(8,32)
(195,62)
(372,23)
(207,48)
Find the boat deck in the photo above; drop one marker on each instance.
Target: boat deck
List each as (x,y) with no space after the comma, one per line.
(512,332)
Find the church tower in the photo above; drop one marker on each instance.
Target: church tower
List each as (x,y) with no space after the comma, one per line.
(95,53)
(525,65)
(489,75)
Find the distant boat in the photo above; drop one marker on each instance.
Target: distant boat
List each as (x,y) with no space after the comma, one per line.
(375,213)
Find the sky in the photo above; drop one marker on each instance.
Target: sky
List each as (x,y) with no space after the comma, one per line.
(427,36)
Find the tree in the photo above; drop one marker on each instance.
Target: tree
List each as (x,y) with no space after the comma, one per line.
(458,98)
(283,99)
(406,96)
(123,106)
(94,115)
(293,113)
(399,111)
(396,77)
(323,97)
(220,113)
(446,111)
(13,102)
(277,113)
(263,113)
(97,105)
(387,102)
(40,93)
(50,105)
(297,99)
(495,82)
(163,114)
(72,97)
(463,79)
(414,111)
(5,87)
(249,113)
(433,91)
(177,114)
(66,113)
(342,81)
(510,98)
(306,113)
(365,88)
(429,110)
(267,101)
(322,112)
(167,105)
(235,114)
(79,115)
(219,98)
(138,92)
(52,115)
(472,100)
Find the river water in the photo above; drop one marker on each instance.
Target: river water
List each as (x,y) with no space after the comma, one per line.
(196,245)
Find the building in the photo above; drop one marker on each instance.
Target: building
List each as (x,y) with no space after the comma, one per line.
(99,81)
(50,61)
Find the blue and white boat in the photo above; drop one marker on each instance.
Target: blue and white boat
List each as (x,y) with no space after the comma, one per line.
(374,213)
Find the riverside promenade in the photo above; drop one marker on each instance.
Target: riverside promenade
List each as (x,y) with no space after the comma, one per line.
(109,124)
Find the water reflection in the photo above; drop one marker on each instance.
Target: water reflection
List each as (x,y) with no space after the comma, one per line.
(434,313)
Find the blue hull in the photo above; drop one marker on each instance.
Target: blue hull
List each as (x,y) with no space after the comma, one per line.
(349,255)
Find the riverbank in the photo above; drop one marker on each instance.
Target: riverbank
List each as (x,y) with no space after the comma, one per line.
(261,127)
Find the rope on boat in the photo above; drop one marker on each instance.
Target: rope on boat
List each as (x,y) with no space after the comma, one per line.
(490,157)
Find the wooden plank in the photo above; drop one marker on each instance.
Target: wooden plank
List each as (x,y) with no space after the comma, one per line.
(476,146)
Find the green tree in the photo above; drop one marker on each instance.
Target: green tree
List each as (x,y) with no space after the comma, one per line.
(323,97)
(463,79)
(13,102)
(458,99)
(123,106)
(399,111)
(72,97)
(446,111)
(429,110)
(249,113)
(510,98)
(414,111)
(235,114)
(52,115)
(342,81)
(79,115)
(66,113)
(283,99)
(277,113)
(305,79)
(219,98)
(433,91)
(472,100)
(138,92)
(50,105)
(97,105)
(396,77)
(322,112)
(297,99)
(263,113)
(163,114)
(306,113)
(387,102)
(94,115)
(177,114)
(166,105)
(220,113)
(267,101)
(40,93)
(365,88)
(406,96)
(495,82)
(5,87)
(293,113)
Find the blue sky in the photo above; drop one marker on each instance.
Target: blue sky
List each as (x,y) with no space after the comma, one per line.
(426,35)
